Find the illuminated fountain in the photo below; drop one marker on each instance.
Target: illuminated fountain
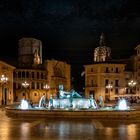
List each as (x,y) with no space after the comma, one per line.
(70,102)
(72,105)
(122,105)
(42,101)
(24,104)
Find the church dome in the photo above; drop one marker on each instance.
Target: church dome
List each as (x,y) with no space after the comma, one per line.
(102,53)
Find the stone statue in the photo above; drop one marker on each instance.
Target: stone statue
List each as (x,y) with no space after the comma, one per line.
(101,102)
(93,103)
(51,102)
(66,94)
(36,57)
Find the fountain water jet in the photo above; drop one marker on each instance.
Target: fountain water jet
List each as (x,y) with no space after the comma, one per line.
(42,101)
(73,107)
(122,105)
(24,104)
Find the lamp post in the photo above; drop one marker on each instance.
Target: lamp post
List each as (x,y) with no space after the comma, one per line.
(132,84)
(3,80)
(25,84)
(109,87)
(46,87)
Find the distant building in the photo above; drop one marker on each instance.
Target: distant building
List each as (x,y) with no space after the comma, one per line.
(33,78)
(102,53)
(104,77)
(29,52)
(137,69)
(59,73)
(6,83)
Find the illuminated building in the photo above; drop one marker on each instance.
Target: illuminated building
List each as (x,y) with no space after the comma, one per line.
(32,78)
(137,69)
(58,74)
(29,52)
(104,77)
(6,83)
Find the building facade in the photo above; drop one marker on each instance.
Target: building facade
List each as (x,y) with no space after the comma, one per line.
(29,52)
(59,73)
(104,77)
(33,78)
(136,76)
(29,84)
(6,83)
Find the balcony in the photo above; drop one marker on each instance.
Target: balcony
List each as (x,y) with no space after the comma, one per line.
(89,85)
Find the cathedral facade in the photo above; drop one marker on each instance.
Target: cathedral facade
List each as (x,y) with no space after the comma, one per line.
(33,78)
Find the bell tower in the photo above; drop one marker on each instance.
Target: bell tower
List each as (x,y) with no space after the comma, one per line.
(29,52)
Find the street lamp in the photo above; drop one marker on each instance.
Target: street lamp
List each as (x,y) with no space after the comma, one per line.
(3,80)
(109,87)
(25,84)
(46,87)
(132,84)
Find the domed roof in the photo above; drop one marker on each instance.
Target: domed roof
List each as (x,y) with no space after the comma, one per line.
(102,53)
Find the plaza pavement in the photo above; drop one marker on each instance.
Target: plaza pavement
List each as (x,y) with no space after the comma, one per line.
(68,129)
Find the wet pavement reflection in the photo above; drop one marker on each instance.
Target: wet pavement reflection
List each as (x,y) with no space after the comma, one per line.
(66,129)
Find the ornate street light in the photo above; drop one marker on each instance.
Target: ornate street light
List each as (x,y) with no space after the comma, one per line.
(109,87)
(25,84)
(46,87)
(132,84)
(3,80)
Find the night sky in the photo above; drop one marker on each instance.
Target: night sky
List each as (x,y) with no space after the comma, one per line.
(70,29)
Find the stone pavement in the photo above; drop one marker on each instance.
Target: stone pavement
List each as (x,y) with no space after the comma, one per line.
(67,129)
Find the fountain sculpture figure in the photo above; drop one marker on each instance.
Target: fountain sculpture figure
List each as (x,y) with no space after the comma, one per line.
(42,101)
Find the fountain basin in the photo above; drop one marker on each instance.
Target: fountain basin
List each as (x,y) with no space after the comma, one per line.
(93,114)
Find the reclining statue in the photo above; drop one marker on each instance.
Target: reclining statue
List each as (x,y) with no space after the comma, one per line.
(66,94)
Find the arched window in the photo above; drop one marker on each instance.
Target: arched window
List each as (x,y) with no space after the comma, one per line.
(19,74)
(27,74)
(33,76)
(38,87)
(14,75)
(23,74)
(38,75)
(42,86)
(42,76)
(33,85)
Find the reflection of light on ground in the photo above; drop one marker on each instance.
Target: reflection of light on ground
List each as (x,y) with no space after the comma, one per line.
(108,131)
(4,133)
(97,124)
(122,130)
(24,129)
(131,130)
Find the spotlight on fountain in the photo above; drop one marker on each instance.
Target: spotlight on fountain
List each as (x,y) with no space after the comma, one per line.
(24,104)
(122,105)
